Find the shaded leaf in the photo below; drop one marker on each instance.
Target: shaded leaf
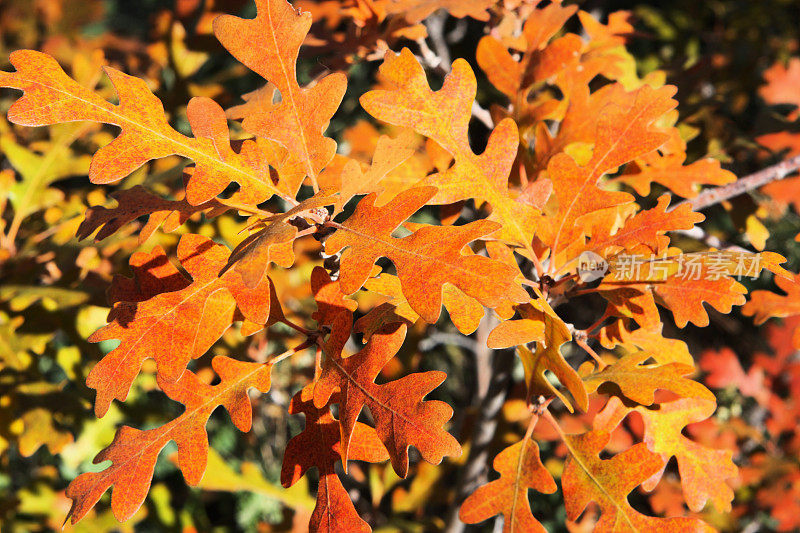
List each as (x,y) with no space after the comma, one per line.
(548,357)
(402,417)
(178,323)
(588,478)
(274,242)
(137,202)
(319,445)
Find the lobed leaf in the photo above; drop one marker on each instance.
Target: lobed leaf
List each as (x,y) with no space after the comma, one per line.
(402,418)
(520,469)
(319,445)
(137,202)
(639,382)
(50,97)
(444,116)
(134,452)
(425,260)
(269,45)
(177,323)
(588,478)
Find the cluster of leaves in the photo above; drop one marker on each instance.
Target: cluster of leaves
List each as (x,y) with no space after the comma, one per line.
(303,266)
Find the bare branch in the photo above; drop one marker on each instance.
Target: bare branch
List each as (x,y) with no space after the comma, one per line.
(435,27)
(716,195)
(711,241)
(493,374)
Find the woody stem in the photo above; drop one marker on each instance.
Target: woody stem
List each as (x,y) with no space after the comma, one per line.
(716,195)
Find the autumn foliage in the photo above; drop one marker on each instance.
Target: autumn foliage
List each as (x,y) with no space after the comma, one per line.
(259,251)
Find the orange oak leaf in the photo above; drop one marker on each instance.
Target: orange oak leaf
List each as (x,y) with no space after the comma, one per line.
(383,314)
(402,417)
(622,134)
(153,274)
(529,327)
(444,116)
(588,478)
(632,302)
(648,227)
(499,65)
(685,297)
(464,311)
(520,469)
(137,202)
(781,498)
(704,471)
(274,240)
(782,81)
(133,452)
(582,114)
(425,260)
(505,254)
(176,325)
(684,282)
(544,23)
(548,357)
(388,155)
(666,166)
(50,97)
(663,349)
(269,45)
(639,381)
(334,310)
(725,370)
(781,88)
(507,74)
(787,190)
(764,305)
(318,445)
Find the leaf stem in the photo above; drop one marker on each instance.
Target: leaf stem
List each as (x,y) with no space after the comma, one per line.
(288,353)
(332,224)
(296,327)
(253,210)
(536,263)
(581,341)
(547,415)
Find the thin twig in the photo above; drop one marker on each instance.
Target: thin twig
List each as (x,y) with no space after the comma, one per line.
(716,195)
(435,27)
(296,327)
(580,340)
(711,241)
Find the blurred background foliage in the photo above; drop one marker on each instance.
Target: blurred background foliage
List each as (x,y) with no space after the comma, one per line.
(52,286)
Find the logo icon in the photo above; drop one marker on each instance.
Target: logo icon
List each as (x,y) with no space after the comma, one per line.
(591,267)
